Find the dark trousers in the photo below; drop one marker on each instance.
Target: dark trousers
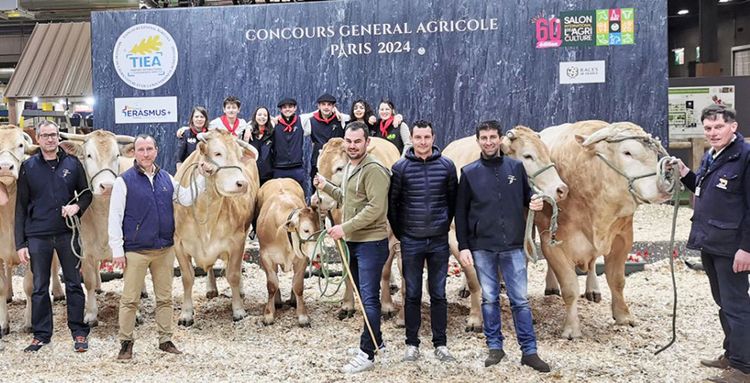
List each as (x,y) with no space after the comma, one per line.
(414,253)
(41,250)
(366,260)
(729,290)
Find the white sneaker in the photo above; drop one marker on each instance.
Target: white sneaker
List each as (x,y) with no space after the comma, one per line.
(442,354)
(411,354)
(353,351)
(359,363)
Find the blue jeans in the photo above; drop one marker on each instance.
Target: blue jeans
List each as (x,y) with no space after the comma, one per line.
(40,250)
(414,253)
(366,260)
(297,174)
(512,264)
(729,290)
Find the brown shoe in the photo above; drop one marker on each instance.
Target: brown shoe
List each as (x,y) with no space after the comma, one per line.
(169,347)
(731,375)
(126,350)
(721,362)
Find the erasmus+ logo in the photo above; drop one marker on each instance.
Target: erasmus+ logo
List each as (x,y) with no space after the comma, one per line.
(136,112)
(145,56)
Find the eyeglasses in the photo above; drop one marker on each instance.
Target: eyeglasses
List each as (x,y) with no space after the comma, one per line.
(47,136)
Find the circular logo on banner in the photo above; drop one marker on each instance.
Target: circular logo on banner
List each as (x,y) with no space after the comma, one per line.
(145,56)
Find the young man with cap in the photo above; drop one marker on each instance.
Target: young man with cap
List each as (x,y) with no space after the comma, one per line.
(291,145)
(51,188)
(325,123)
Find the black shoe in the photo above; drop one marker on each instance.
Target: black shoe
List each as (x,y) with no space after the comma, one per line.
(81,344)
(494,357)
(126,350)
(533,361)
(35,345)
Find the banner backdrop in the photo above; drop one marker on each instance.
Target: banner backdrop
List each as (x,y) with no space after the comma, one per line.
(452,62)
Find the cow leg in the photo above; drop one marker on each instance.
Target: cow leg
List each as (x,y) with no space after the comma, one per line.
(28,289)
(565,272)
(551,287)
(614,268)
(347,305)
(387,308)
(89,270)
(8,284)
(4,291)
(211,290)
(593,293)
(400,319)
(272,285)
(98,274)
(298,288)
(471,287)
(57,289)
(233,271)
(187,312)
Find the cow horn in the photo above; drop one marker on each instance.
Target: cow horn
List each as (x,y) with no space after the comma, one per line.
(511,134)
(123,139)
(599,135)
(247,146)
(27,138)
(201,136)
(73,137)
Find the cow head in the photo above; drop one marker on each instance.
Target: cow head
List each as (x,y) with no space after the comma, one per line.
(331,162)
(633,155)
(14,145)
(227,156)
(303,226)
(99,152)
(525,145)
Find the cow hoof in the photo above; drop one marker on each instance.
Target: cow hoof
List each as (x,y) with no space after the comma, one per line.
(9,300)
(267,321)
(473,328)
(92,323)
(138,320)
(98,291)
(388,315)
(211,294)
(393,289)
(144,295)
(304,323)
(345,313)
(400,323)
(626,321)
(552,292)
(5,330)
(571,334)
(593,296)
(185,322)
(239,315)
(464,293)
(58,298)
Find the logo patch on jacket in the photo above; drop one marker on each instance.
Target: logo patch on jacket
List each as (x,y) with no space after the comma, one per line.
(65,173)
(722,183)
(511,178)
(191,140)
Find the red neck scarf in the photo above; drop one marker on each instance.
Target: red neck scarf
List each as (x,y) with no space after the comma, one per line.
(232,129)
(195,132)
(328,120)
(262,129)
(384,125)
(290,126)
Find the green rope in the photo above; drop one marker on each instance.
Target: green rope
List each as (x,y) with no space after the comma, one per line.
(325,279)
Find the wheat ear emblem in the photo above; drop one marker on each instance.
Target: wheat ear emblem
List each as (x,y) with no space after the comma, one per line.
(147,45)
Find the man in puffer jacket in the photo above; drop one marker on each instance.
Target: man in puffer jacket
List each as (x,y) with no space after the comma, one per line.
(421,205)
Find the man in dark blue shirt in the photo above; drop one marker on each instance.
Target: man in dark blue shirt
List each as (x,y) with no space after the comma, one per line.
(490,223)
(721,232)
(52,187)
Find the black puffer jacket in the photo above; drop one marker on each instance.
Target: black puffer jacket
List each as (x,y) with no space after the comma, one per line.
(422,197)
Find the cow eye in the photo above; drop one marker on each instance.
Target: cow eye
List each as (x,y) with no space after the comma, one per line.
(20,145)
(88,156)
(338,169)
(528,157)
(217,154)
(627,153)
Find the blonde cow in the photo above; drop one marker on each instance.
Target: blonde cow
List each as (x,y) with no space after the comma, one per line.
(331,162)
(522,144)
(15,145)
(103,155)
(215,227)
(613,168)
(285,227)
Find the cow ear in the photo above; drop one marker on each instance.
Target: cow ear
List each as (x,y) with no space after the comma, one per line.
(72,148)
(248,154)
(127,150)
(290,225)
(202,147)
(505,145)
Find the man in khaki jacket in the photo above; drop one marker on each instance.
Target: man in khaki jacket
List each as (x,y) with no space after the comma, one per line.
(364,197)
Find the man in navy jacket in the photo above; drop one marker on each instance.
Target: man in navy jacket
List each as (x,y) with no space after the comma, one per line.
(721,232)
(51,188)
(490,222)
(421,206)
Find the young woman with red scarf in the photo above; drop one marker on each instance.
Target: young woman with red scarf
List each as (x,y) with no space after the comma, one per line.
(187,143)
(260,135)
(390,127)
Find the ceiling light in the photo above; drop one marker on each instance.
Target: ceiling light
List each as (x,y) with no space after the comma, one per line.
(90,100)
(683,12)
(35,99)
(724,1)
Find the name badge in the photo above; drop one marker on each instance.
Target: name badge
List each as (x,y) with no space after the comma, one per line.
(698,191)
(722,183)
